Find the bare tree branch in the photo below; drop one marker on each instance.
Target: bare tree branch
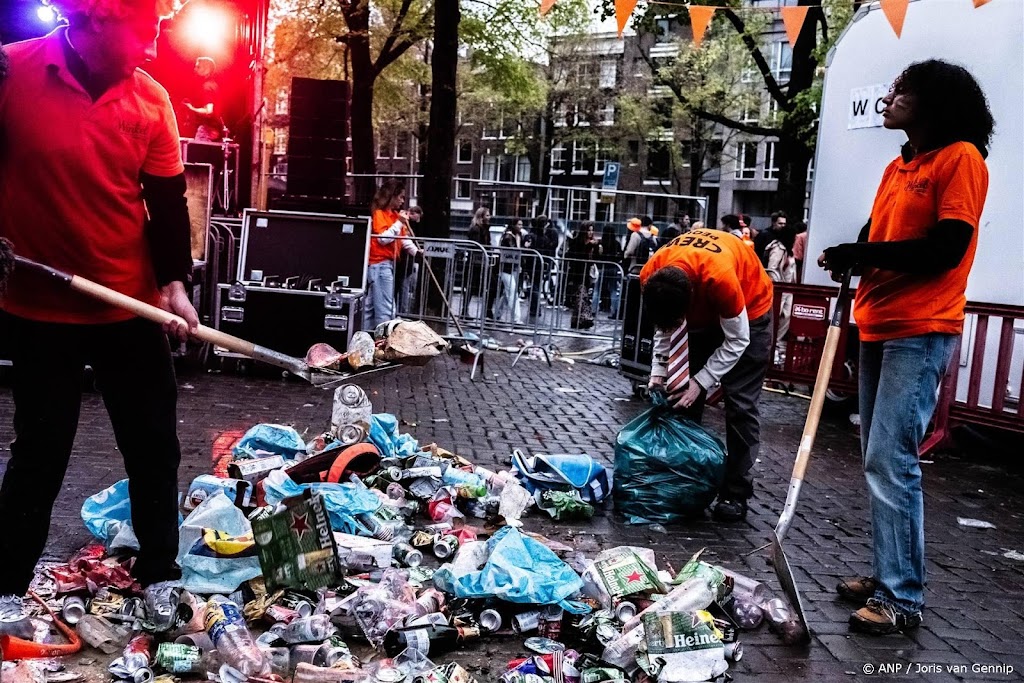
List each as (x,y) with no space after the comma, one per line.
(762,64)
(396,29)
(738,125)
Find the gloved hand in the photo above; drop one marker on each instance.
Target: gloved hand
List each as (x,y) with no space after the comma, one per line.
(839,259)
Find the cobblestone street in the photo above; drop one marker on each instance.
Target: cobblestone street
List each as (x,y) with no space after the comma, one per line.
(975,592)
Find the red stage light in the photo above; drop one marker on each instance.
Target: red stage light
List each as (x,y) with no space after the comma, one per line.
(209,28)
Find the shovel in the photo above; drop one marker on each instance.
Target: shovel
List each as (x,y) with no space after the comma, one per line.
(803,455)
(296,366)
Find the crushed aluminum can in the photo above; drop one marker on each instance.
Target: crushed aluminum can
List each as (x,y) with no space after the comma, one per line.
(603,674)
(421,539)
(255,469)
(445,546)
(542,646)
(524,622)
(299,603)
(73,609)
(734,651)
(280,614)
(177,659)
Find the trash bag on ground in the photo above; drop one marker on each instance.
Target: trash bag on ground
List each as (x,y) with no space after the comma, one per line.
(667,468)
(108,512)
(216,551)
(270,439)
(563,472)
(518,569)
(344,502)
(384,435)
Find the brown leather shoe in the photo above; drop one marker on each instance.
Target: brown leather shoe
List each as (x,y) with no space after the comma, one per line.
(879,619)
(858,590)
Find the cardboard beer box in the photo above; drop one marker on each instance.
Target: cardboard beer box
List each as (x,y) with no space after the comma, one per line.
(296,546)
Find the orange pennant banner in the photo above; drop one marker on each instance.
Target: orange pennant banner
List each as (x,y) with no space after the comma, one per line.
(895,12)
(979,3)
(700,17)
(793,18)
(545,6)
(623,8)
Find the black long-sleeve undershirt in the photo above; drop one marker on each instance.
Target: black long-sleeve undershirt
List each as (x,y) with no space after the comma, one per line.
(167,229)
(942,248)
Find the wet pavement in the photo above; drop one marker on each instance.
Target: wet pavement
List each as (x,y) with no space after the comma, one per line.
(973,623)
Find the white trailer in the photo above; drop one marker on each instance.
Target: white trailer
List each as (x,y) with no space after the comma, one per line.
(853,148)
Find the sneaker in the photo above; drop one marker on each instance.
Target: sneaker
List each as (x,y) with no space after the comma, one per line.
(14,620)
(878,619)
(858,590)
(727,510)
(161,604)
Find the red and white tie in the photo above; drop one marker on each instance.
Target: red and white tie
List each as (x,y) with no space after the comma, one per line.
(678,361)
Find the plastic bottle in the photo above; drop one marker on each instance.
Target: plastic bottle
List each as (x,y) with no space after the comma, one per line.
(453,476)
(689,596)
(308,629)
(748,588)
(748,615)
(231,637)
(431,639)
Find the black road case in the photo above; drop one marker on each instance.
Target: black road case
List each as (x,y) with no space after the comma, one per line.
(637,350)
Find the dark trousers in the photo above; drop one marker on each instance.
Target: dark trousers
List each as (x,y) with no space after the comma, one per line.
(135,375)
(741,387)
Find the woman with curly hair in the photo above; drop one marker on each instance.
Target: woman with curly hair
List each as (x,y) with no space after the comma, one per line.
(914,256)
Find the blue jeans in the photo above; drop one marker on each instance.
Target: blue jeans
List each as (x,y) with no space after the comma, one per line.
(899,380)
(379,303)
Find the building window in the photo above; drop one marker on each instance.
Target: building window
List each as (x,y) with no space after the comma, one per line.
(462,187)
(605,212)
(402,146)
(751,110)
(773,111)
(771,165)
(580,205)
(488,167)
(383,147)
(666,29)
(782,61)
(493,128)
(659,160)
(558,158)
(579,157)
(523,169)
(280,141)
(557,204)
(584,75)
(465,152)
(609,74)
(633,152)
(579,114)
(746,160)
(601,157)
(561,113)
(281,102)
(606,114)
(506,168)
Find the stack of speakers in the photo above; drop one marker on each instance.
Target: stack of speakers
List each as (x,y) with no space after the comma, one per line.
(317,130)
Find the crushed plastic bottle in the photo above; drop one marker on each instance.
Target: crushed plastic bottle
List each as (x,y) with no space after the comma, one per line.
(748,615)
(308,629)
(231,637)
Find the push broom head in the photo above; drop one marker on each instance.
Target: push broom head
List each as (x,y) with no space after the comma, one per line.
(6,262)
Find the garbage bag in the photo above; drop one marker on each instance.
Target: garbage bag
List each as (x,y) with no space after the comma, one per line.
(344,502)
(563,472)
(216,551)
(384,435)
(518,569)
(270,438)
(667,468)
(108,512)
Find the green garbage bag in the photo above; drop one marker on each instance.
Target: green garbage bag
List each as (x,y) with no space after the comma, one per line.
(667,468)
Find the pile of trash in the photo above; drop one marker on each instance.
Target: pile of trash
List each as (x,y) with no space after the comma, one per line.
(362,556)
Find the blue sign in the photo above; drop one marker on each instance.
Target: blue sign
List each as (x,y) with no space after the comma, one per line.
(611,180)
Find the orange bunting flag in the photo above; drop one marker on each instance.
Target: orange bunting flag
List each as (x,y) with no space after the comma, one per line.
(793,18)
(545,6)
(895,12)
(623,8)
(979,3)
(700,17)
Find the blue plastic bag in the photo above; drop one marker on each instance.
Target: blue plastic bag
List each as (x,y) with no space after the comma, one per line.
(384,435)
(518,569)
(578,472)
(343,501)
(667,468)
(106,512)
(277,439)
(211,567)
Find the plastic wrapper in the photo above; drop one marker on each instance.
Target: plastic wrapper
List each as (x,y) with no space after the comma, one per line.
(667,468)
(270,439)
(564,505)
(518,569)
(344,502)
(108,512)
(215,547)
(678,647)
(382,606)
(412,343)
(361,351)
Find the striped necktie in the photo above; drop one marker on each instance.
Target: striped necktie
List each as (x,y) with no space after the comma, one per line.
(678,361)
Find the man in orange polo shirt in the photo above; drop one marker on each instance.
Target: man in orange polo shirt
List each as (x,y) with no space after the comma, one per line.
(915,254)
(715,284)
(92,183)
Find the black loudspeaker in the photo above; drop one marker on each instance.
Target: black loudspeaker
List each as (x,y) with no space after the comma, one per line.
(317,130)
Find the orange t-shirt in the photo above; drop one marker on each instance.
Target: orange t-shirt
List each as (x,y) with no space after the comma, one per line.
(948,183)
(382,220)
(70,195)
(725,273)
